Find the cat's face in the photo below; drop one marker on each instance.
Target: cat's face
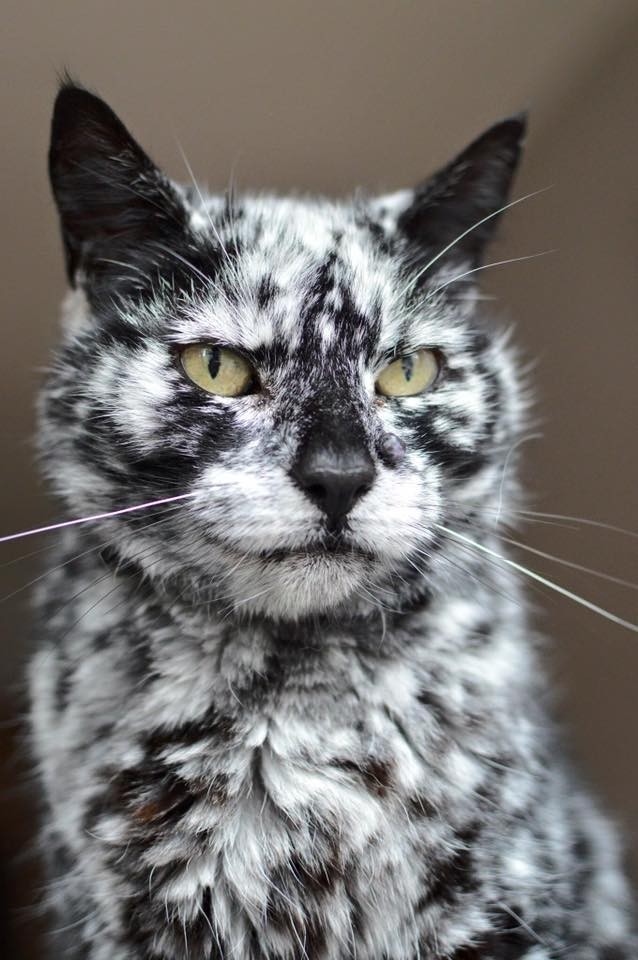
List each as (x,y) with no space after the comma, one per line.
(296,364)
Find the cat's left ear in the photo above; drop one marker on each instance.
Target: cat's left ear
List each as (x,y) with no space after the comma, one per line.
(114,203)
(459,205)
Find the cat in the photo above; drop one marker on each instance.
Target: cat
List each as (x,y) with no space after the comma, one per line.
(295,712)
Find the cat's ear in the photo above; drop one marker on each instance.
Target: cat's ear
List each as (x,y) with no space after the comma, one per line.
(112,200)
(461,203)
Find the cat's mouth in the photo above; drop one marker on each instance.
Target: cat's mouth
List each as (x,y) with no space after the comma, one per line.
(329,546)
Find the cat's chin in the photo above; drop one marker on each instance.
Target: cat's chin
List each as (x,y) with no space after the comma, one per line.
(290,586)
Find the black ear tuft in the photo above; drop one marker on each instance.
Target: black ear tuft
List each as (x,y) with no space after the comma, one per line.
(110,196)
(474,186)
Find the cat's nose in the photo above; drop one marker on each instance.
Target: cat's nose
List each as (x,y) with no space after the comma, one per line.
(334,477)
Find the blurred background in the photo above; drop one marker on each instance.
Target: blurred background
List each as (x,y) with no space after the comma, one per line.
(325,95)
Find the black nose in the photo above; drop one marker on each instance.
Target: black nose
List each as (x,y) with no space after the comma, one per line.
(334,477)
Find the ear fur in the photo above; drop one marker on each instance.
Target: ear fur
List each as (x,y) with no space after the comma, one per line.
(474,186)
(112,200)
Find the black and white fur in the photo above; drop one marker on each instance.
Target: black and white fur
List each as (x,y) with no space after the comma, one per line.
(260,735)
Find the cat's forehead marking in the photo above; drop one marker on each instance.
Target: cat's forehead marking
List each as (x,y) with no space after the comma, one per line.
(304,274)
(313,279)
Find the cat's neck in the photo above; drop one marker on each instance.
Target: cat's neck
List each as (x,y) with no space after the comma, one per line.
(472,620)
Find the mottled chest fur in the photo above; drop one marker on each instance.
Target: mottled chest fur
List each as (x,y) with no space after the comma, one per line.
(298,783)
(287,706)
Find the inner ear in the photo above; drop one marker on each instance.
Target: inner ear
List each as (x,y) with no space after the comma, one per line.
(459,206)
(114,203)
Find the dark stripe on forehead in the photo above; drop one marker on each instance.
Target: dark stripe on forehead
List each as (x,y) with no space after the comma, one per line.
(329,297)
(267,290)
(320,285)
(352,322)
(323,281)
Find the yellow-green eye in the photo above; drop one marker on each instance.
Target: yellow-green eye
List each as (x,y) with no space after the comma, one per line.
(409,375)
(218,370)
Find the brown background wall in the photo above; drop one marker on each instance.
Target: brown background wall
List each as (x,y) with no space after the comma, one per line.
(322,96)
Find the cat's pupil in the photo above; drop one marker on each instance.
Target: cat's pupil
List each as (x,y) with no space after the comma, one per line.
(407,365)
(214,361)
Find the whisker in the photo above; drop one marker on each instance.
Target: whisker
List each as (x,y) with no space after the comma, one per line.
(191,174)
(42,576)
(95,516)
(487,266)
(522,924)
(584,520)
(466,572)
(607,614)
(548,556)
(510,452)
(229,260)
(368,596)
(27,556)
(502,522)
(479,223)
(108,575)
(501,516)
(570,563)
(78,556)
(122,263)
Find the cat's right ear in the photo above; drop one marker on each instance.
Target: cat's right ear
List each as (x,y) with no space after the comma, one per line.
(114,204)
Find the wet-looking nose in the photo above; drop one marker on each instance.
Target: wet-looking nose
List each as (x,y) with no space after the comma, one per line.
(334,477)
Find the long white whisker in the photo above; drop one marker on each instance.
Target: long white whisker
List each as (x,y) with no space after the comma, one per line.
(110,574)
(584,520)
(549,556)
(95,516)
(239,268)
(569,563)
(469,230)
(607,614)
(94,549)
(512,449)
(465,571)
(231,264)
(515,513)
(524,926)
(202,200)
(27,556)
(487,266)
(127,266)
(367,595)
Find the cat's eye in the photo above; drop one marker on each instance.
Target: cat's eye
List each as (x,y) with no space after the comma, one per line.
(218,370)
(409,375)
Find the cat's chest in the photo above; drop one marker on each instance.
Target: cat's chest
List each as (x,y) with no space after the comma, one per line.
(253,794)
(283,779)
(296,817)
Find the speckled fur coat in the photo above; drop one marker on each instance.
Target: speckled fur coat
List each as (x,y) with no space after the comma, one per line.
(269,729)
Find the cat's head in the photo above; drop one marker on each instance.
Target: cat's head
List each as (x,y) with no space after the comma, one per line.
(314,370)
